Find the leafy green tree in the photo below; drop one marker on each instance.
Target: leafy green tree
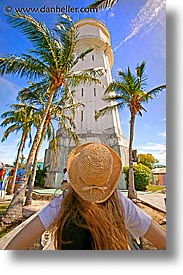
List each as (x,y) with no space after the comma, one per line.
(147,160)
(51,61)
(129,90)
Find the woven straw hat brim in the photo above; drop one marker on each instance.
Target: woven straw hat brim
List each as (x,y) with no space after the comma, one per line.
(94,195)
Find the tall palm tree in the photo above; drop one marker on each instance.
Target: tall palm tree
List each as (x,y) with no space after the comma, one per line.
(22,118)
(62,110)
(51,61)
(129,90)
(103,4)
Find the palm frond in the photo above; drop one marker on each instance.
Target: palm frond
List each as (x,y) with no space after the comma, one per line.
(140,69)
(119,88)
(104,111)
(41,37)
(141,78)
(88,76)
(35,93)
(117,99)
(43,67)
(128,80)
(82,55)
(70,132)
(154,92)
(7,120)
(53,143)
(10,130)
(8,114)
(103,4)
(64,24)
(67,34)
(20,66)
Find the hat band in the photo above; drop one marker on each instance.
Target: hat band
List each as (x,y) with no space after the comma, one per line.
(90,188)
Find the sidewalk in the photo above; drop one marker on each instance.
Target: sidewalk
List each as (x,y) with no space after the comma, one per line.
(36,205)
(156,199)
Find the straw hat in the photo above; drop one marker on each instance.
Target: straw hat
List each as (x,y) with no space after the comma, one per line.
(94,171)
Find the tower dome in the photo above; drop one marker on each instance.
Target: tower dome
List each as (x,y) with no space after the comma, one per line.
(93,33)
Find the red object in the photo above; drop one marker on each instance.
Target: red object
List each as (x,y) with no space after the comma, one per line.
(2,173)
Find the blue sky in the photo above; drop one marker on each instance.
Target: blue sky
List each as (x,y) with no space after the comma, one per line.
(138,32)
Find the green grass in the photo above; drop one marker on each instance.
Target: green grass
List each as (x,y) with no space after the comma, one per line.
(154,188)
(3,207)
(5,230)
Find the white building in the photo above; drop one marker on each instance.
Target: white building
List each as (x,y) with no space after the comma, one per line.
(107,129)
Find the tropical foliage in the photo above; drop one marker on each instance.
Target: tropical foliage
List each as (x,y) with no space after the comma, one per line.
(142,176)
(147,160)
(50,64)
(129,90)
(62,110)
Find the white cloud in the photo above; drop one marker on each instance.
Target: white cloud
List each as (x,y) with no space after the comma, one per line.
(8,153)
(7,86)
(152,147)
(161,158)
(162,134)
(158,150)
(111,14)
(147,18)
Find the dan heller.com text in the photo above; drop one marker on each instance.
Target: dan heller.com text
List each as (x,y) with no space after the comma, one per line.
(56,9)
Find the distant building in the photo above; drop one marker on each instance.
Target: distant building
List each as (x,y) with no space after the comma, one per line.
(107,129)
(159,176)
(40,164)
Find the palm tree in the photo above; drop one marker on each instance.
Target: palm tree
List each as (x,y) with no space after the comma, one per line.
(22,118)
(51,61)
(129,91)
(103,4)
(62,110)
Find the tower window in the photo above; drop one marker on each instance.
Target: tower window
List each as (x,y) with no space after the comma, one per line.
(82,92)
(94,91)
(82,115)
(93,57)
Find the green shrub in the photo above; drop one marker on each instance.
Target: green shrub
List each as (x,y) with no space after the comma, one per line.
(142,176)
(40,177)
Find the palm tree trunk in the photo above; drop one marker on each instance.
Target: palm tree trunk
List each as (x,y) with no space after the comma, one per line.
(14,211)
(28,200)
(132,194)
(11,190)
